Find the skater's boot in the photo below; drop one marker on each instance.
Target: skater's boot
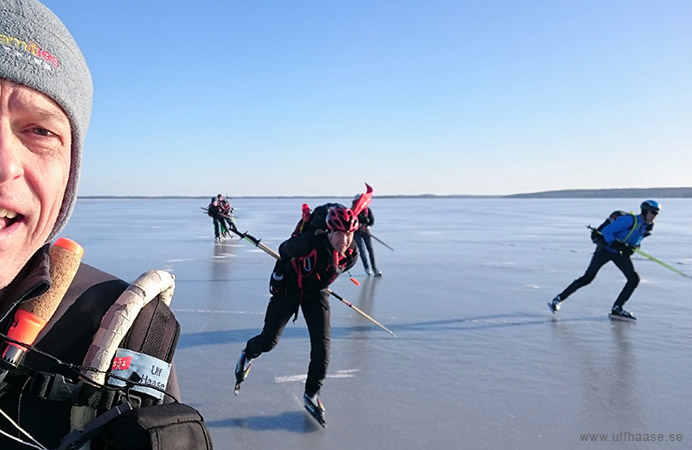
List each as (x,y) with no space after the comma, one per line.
(242,369)
(378,272)
(618,313)
(554,305)
(315,407)
(368,272)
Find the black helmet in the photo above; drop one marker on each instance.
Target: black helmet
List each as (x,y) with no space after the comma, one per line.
(650,205)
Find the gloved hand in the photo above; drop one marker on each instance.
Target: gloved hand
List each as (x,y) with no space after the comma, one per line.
(597,238)
(647,230)
(276,284)
(623,248)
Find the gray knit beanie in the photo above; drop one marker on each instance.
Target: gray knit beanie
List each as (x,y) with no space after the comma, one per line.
(37,51)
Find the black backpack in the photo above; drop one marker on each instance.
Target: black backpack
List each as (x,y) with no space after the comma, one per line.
(317,221)
(151,425)
(597,236)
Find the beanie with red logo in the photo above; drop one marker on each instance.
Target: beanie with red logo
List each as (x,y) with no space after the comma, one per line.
(37,50)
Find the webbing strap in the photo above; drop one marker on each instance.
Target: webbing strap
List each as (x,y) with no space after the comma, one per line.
(56,388)
(155,332)
(632,230)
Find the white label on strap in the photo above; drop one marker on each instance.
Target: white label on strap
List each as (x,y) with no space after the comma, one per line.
(151,370)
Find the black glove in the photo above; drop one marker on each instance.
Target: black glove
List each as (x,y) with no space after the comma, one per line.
(623,248)
(647,229)
(276,284)
(597,238)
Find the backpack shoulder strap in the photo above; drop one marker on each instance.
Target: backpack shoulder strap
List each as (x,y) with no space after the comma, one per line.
(115,325)
(634,226)
(155,332)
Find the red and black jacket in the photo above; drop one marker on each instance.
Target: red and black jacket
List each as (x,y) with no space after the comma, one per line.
(310,264)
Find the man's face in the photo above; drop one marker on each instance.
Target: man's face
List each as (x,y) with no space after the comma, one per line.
(650,216)
(35,143)
(340,240)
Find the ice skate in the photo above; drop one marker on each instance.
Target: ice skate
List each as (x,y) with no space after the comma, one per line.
(314,406)
(554,305)
(242,369)
(617,313)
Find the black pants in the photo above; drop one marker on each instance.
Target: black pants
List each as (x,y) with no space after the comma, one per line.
(315,308)
(364,239)
(228,223)
(222,225)
(217,233)
(600,257)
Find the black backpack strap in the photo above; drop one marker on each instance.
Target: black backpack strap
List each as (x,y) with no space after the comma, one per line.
(155,332)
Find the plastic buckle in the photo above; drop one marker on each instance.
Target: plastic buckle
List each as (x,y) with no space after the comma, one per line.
(63,390)
(54,387)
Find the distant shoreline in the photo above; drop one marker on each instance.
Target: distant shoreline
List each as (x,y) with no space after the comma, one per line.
(683,192)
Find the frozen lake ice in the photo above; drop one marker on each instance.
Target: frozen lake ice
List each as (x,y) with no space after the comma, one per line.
(479,361)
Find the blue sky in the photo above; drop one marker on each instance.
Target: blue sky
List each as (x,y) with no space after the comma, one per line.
(442,97)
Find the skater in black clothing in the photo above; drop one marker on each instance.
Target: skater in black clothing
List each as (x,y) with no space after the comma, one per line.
(215,211)
(363,239)
(309,263)
(616,242)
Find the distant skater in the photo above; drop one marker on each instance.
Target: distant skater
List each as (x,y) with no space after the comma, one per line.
(616,242)
(310,262)
(363,239)
(215,211)
(226,213)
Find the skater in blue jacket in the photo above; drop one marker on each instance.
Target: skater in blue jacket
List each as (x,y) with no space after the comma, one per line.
(616,242)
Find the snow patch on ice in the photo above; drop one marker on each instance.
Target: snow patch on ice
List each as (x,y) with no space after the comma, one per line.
(301,378)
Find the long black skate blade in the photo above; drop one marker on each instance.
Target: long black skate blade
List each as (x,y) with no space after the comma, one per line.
(621,318)
(317,417)
(552,310)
